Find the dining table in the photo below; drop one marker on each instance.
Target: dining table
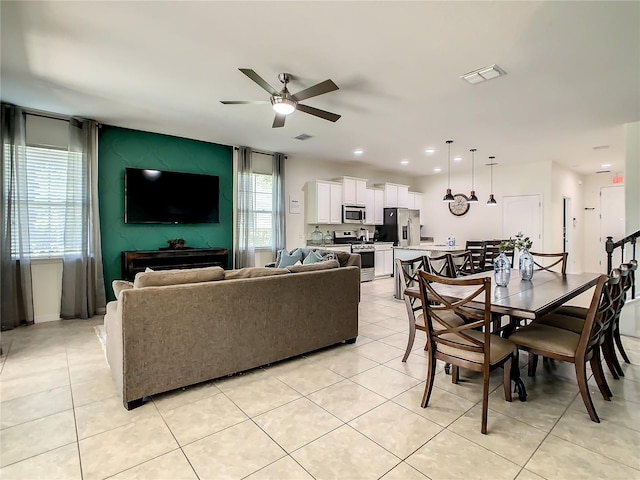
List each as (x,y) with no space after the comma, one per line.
(522,299)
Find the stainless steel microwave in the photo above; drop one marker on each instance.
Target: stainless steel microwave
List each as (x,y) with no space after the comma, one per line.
(353,214)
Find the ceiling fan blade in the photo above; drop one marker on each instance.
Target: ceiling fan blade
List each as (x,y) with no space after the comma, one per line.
(278,121)
(318,89)
(259,80)
(332,117)
(243,102)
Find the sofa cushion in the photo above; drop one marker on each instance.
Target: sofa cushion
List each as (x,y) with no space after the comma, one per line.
(313,257)
(176,277)
(253,272)
(287,259)
(120,285)
(314,266)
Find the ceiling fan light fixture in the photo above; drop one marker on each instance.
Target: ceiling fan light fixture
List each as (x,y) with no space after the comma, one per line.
(283,105)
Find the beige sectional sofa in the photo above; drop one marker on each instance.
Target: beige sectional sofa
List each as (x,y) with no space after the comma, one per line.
(162,336)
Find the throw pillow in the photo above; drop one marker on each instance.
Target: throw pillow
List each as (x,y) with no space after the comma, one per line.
(177,277)
(314,266)
(313,257)
(329,256)
(120,285)
(289,259)
(148,270)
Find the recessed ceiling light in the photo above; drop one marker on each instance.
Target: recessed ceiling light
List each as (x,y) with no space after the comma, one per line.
(605,165)
(358,151)
(404,162)
(437,169)
(430,151)
(457,159)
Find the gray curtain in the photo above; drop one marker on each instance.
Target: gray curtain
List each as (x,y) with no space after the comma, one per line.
(243,255)
(16,292)
(279,204)
(83,293)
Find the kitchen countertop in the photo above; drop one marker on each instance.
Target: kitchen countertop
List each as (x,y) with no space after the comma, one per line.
(431,248)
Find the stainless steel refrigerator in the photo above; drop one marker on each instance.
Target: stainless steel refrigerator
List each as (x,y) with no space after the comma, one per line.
(401,226)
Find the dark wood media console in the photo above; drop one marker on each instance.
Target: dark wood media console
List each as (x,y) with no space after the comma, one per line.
(136,261)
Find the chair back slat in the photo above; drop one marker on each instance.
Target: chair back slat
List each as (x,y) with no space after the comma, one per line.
(596,318)
(439,306)
(477,249)
(545,261)
(409,270)
(462,263)
(441,265)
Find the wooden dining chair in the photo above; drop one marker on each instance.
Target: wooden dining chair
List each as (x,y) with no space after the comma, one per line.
(492,250)
(633,266)
(441,265)
(409,270)
(545,261)
(462,263)
(477,249)
(571,317)
(577,348)
(463,345)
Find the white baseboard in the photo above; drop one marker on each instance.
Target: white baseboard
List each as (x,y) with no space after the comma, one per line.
(47,318)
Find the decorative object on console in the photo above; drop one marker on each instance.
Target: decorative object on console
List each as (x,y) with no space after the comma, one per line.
(448,197)
(316,237)
(460,205)
(472,198)
(176,243)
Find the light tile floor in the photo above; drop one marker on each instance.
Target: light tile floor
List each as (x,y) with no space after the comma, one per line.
(348,412)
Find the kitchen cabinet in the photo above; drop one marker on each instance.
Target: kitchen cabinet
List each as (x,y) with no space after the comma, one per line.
(354,191)
(323,201)
(395,195)
(375,206)
(384,259)
(415,202)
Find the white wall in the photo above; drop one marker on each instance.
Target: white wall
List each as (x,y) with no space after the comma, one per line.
(299,171)
(567,183)
(632,177)
(482,221)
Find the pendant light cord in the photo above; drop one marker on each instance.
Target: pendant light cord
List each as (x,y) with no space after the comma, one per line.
(449,181)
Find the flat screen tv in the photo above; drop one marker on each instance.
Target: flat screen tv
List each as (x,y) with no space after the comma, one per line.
(158,196)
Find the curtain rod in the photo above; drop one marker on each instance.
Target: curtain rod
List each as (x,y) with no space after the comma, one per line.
(261,153)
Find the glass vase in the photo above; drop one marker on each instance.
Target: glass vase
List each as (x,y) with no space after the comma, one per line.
(526,265)
(502,270)
(316,237)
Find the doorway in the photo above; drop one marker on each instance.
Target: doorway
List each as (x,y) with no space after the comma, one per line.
(612,224)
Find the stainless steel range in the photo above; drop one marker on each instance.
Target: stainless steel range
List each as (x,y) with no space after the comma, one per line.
(365,248)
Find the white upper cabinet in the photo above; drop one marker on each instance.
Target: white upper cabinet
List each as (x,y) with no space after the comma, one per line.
(378,209)
(395,195)
(354,191)
(323,201)
(370,206)
(415,202)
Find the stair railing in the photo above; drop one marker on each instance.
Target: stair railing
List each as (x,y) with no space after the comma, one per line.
(610,246)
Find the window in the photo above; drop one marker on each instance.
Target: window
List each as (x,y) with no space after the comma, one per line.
(54,201)
(261,231)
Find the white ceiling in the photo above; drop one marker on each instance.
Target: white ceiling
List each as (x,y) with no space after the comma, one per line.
(573,74)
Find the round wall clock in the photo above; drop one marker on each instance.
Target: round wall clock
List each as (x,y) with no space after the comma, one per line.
(460,206)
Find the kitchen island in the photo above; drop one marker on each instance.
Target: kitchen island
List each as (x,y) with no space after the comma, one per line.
(410,252)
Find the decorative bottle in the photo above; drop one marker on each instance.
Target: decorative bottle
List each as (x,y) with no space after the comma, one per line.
(526,265)
(502,270)
(328,238)
(316,237)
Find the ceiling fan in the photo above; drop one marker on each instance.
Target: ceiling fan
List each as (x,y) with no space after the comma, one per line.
(284,102)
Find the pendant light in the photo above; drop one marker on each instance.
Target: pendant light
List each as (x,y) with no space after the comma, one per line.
(448,198)
(472,197)
(492,201)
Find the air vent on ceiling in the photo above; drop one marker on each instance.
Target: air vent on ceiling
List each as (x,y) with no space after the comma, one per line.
(601,147)
(302,136)
(484,73)
(603,171)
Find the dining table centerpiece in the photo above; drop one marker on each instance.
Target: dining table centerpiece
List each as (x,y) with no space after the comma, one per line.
(502,264)
(525,262)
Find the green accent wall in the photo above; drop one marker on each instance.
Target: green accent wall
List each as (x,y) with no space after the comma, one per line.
(119,148)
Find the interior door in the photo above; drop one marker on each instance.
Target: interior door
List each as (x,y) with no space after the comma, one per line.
(612,223)
(523,213)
